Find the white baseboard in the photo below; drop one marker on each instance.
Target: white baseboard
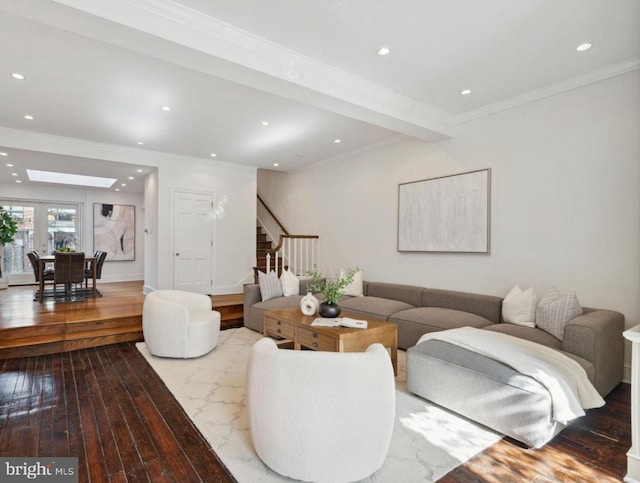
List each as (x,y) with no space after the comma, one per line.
(133,277)
(633,467)
(626,374)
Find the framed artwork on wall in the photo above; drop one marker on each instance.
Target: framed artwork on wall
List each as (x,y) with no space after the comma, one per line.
(447,214)
(114,228)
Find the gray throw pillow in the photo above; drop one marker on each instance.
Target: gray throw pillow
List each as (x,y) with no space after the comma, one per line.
(269,285)
(555,310)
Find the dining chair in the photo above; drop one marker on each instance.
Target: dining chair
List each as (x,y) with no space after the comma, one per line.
(47,275)
(69,270)
(100,257)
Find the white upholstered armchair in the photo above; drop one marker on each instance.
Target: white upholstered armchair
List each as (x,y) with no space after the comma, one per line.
(320,416)
(179,324)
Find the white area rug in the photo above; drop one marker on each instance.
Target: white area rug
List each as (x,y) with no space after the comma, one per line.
(427,441)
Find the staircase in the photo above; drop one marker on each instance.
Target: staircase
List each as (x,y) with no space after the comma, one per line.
(262,245)
(297,253)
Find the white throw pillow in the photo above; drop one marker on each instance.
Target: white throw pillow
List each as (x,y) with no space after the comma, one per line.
(269,285)
(555,310)
(519,307)
(290,283)
(355,288)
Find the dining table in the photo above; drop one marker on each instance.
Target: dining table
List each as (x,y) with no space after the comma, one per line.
(51,259)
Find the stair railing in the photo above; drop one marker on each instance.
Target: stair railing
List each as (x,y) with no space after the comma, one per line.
(298,253)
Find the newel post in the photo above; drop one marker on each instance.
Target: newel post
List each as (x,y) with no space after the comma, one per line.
(633,455)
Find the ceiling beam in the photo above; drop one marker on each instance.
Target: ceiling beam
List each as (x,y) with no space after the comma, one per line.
(174,33)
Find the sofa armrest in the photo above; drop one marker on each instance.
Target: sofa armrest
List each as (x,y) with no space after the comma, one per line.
(251,295)
(596,336)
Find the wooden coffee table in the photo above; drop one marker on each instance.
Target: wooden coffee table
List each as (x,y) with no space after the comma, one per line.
(291,325)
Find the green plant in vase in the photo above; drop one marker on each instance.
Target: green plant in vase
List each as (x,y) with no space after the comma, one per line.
(331,288)
(8,230)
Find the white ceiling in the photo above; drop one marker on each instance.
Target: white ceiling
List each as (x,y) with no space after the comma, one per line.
(101,71)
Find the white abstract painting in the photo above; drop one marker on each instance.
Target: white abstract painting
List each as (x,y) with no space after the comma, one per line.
(446,214)
(114,230)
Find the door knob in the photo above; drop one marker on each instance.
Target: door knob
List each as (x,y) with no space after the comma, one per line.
(177,254)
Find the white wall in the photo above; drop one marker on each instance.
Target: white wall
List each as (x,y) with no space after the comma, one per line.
(111,271)
(235,234)
(151,231)
(235,240)
(565,200)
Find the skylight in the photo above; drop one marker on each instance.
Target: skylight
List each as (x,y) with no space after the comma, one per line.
(66,178)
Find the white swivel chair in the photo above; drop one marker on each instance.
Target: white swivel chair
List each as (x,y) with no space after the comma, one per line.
(320,416)
(179,324)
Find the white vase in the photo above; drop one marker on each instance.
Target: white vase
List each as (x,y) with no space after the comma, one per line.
(309,304)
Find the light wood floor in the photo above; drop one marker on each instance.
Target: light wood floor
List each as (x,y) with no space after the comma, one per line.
(28,327)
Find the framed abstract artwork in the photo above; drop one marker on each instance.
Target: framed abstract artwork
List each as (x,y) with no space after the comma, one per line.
(446,214)
(114,228)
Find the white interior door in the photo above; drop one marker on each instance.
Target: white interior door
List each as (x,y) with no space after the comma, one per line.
(193,242)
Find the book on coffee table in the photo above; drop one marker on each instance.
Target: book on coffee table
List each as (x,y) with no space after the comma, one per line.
(340,322)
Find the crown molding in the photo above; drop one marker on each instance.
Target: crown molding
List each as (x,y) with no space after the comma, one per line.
(382,143)
(548,91)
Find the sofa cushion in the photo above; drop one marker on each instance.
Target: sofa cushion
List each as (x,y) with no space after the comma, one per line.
(487,306)
(376,307)
(409,294)
(279,303)
(435,318)
(527,333)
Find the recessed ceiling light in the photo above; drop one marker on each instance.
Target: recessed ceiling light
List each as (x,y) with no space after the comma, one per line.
(383,51)
(123,184)
(213,155)
(9,165)
(140,143)
(265,123)
(29,117)
(4,154)
(14,174)
(166,108)
(18,181)
(17,75)
(139,170)
(465,92)
(276,164)
(66,178)
(337,141)
(131,177)
(583,47)
(117,189)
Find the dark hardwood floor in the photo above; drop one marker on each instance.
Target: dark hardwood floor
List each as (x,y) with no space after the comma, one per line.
(107,406)
(592,449)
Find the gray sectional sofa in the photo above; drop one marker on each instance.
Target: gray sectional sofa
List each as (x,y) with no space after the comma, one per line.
(459,379)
